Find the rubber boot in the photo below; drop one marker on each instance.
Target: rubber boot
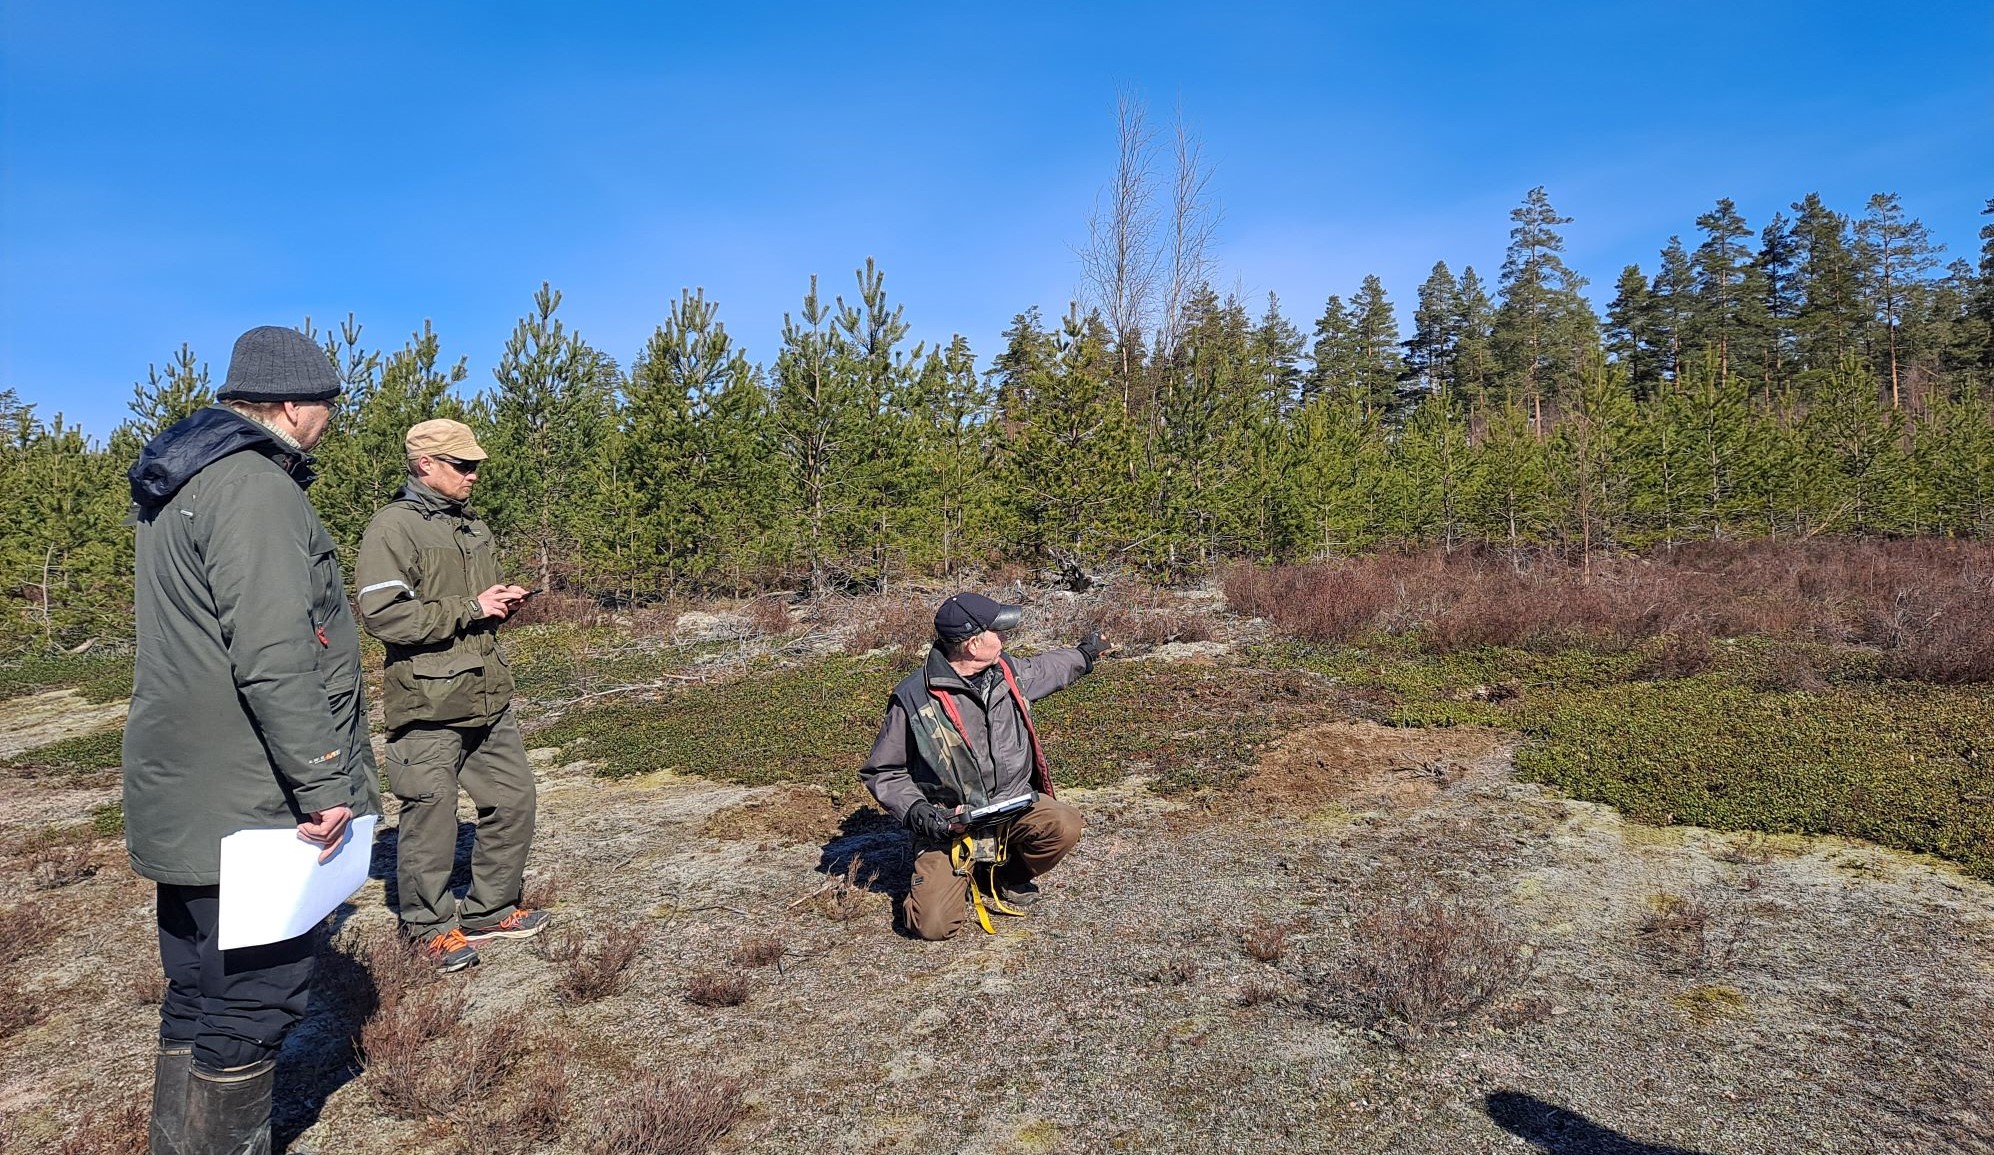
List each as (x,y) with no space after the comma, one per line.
(168,1133)
(228,1112)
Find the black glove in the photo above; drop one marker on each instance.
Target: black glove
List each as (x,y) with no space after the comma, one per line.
(930,821)
(1092,647)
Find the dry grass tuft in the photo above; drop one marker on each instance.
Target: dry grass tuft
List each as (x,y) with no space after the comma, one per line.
(1424,964)
(590,966)
(760,950)
(122,1130)
(895,621)
(25,929)
(21,1006)
(1173,972)
(52,866)
(769,615)
(542,891)
(1266,941)
(403,1075)
(845,896)
(717,989)
(681,1114)
(1675,933)
(1258,992)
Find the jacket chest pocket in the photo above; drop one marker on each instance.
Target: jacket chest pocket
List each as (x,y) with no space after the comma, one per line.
(328,584)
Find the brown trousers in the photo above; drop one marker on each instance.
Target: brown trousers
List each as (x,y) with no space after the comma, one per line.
(937,898)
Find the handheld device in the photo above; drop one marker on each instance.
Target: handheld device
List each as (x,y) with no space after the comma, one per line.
(996,812)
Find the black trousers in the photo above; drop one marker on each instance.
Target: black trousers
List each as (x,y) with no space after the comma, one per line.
(236,1006)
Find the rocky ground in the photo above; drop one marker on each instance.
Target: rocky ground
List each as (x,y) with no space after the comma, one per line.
(1380,942)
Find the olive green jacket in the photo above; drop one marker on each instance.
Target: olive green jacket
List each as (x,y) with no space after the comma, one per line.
(423,562)
(246,705)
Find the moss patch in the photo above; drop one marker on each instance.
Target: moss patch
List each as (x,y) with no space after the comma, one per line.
(97,677)
(103,750)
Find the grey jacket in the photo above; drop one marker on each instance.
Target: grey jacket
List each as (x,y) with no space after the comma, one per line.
(424,560)
(246,704)
(994,730)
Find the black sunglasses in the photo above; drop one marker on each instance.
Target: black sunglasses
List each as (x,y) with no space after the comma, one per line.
(459,466)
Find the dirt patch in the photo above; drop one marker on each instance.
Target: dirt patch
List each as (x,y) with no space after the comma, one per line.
(1362,765)
(54,716)
(793,815)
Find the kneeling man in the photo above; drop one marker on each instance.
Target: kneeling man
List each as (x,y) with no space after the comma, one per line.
(958,740)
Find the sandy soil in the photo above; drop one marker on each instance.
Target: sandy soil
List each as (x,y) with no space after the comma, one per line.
(1834,998)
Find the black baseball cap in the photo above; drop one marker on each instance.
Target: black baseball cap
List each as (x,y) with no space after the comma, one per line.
(965,615)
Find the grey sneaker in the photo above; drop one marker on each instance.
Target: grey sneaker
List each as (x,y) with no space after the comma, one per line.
(450,952)
(1021,893)
(521,923)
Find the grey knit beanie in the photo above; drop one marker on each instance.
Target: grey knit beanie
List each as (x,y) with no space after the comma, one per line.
(273,363)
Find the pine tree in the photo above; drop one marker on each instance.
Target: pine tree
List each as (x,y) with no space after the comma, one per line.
(1725,318)
(1544,329)
(1374,330)
(1893,254)
(1320,502)
(1070,478)
(549,418)
(1673,307)
(1278,347)
(1474,338)
(364,455)
(1336,356)
(1829,325)
(1431,351)
(1509,498)
(1630,320)
(1777,268)
(1861,444)
(163,399)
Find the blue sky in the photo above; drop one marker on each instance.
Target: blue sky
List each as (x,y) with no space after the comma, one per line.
(183,172)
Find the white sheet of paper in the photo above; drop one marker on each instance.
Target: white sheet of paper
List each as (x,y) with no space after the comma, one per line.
(274,887)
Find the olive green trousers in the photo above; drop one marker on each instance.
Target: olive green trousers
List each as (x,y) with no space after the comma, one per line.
(427,765)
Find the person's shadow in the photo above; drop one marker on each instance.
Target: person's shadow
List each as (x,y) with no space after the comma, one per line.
(1553,1129)
(880,847)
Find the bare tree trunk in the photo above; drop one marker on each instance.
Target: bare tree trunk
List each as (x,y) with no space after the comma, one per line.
(1120,260)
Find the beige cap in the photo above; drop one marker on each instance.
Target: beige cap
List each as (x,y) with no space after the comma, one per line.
(443,438)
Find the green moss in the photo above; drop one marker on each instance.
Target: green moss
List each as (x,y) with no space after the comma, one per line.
(104,677)
(103,750)
(108,820)
(1186,727)
(1904,765)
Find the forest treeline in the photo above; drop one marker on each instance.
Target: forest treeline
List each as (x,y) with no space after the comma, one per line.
(1824,374)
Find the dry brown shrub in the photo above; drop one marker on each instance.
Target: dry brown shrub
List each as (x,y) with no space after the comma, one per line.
(769,615)
(717,989)
(1257,992)
(760,950)
(846,895)
(1173,972)
(542,891)
(21,1006)
(1677,655)
(1327,602)
(590,966)
(659,1114)
(1675,933)
(403,1073)
(557,605)
(1423,964)
(1788,668)
(900,621)
(52,866)
(532,1111)
(1135,617)
(25,928)
(122,1130)
(1266,941)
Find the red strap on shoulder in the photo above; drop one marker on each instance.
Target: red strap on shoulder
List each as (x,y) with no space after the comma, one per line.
(1041,772)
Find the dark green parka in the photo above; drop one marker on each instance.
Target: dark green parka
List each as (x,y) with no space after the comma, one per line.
(246,705)
(423,562)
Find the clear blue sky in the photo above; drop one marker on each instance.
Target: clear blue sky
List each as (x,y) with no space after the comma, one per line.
(181,172)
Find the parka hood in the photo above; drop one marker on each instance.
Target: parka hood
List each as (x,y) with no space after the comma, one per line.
(197,441)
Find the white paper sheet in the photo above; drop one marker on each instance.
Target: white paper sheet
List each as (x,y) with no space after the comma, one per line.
(274,887)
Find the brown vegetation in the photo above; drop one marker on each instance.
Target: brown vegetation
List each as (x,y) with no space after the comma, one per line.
(717,989)
(760,950)
(1266,941)
(590,965)
(25,927)
(1923,603)
(121,1130)
(1675,933)
(1424,963)
(657,1114)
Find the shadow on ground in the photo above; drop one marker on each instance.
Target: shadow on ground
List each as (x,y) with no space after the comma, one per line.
(1551,1128)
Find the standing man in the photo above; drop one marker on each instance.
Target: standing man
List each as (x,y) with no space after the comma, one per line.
(958,736)
(246,712)
(430,588)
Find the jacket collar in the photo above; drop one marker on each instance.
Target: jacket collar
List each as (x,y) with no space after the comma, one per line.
(430,502)
(197,441)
